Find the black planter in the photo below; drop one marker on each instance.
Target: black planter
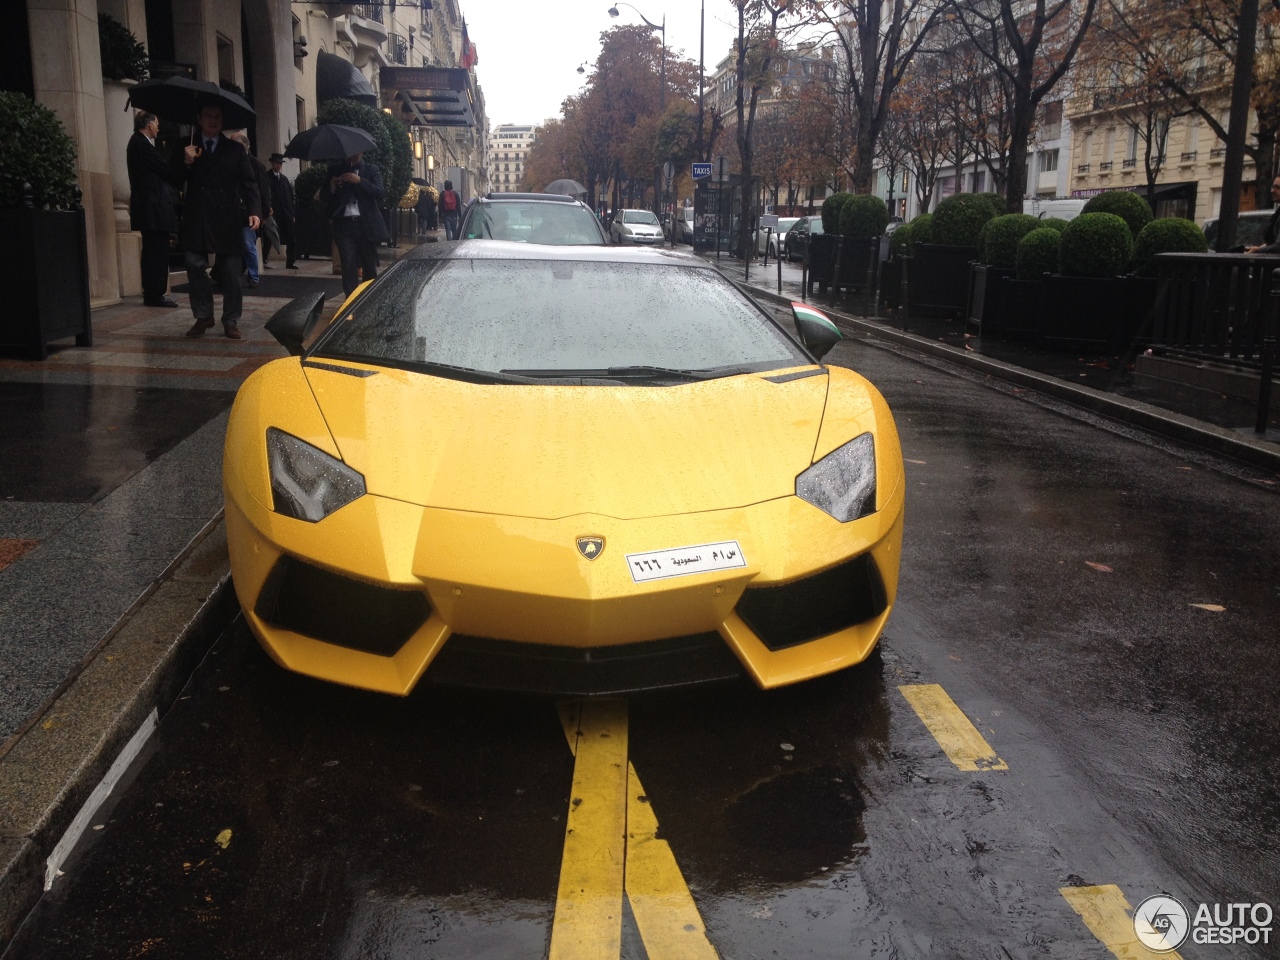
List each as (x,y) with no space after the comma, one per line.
(1099,313)
(1018,309)
(891,283)
(858,262)
(984,297)
(314,236)
(940,278)
(44,272)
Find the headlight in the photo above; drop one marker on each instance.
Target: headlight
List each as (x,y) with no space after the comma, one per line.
(307,483)
(627,231)
(843,483)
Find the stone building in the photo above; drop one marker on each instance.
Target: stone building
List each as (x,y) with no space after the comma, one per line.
(509,146)
(285,56)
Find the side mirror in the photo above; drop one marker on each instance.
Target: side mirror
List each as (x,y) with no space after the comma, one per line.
(816,332)
(292,322)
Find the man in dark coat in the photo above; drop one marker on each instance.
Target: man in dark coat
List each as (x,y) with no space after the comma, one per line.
(151,208)
(351,200)
(222,197)
(1270,239)
(282,205)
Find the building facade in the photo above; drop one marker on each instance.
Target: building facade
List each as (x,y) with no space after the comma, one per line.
(270,49)
(509,146)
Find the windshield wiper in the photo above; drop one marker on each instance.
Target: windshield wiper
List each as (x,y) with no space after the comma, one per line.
(637,370)
(448,370)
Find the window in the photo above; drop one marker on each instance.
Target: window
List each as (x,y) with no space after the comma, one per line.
(1048,161)
(1108,144)
(1132,154)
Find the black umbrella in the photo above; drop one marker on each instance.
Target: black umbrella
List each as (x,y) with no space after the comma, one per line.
(180,99)
(329,141)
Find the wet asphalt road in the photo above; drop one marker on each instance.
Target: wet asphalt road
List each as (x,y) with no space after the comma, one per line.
(1049,572)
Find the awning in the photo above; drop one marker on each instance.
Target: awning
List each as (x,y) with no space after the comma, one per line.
(336,77)
(428,96)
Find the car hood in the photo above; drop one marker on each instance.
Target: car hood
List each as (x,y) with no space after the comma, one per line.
(556,451)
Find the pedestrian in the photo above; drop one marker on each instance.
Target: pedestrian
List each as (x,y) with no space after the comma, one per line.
(285,213)
(450,207)
(354,192)
(264,192)
(1270,239)
(222,197)
(151,207)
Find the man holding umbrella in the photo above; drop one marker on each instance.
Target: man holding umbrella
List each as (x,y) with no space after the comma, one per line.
(282,204)
(222,197)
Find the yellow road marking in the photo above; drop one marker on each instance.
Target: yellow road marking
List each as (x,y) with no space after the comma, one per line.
(959,738)
(668,918)
(588,918)
(1109,917)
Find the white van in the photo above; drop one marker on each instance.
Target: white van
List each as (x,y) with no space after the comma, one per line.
(1061,209)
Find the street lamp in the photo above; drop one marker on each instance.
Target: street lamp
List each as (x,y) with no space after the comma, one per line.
(662,98)
(582,67)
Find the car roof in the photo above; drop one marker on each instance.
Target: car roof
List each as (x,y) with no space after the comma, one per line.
(550,197)
(504,250)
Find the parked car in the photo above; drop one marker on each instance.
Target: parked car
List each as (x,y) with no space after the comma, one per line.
(1250,228)
(796,244)
(454,475)
(531,218)
(784,224)
(637,226)
(684,226)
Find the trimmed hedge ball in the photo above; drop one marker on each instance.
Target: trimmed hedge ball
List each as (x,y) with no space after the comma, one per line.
(997,203)
(831,208)
(922,229)
(1168,235)
(1038,253)
(1057,223)
(1095,245)
(959,219)
(863,216)
(1000,244)
(1129,207)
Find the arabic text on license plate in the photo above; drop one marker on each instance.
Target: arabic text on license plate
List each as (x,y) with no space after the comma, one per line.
(682,561)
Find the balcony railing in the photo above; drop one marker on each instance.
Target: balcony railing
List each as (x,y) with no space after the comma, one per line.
(399,49)
(1188,156)
(1129,164)
(370,11)
(1105,166)
(1217,153)
(1082,168)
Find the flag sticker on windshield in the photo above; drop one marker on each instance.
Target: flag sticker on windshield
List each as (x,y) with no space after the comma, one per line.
(683,561)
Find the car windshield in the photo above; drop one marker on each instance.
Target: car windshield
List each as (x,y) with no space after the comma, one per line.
(639,216)
(519,319)
(1250,231)
(786,223)
(532,222)
(815,226)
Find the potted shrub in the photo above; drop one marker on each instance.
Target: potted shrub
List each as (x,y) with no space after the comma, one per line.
(822,247)
(940,273)
(1019,296)
(863,219)
(999,260)
(44,255)
(1129,207)
(1168,235)
(1088,303)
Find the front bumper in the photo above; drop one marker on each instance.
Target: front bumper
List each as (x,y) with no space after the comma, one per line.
(370,596)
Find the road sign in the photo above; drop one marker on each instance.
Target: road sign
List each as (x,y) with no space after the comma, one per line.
(769,220)
(701,171)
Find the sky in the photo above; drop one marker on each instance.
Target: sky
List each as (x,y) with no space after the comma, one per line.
(529,52)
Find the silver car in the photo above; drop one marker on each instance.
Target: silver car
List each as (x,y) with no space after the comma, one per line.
(637,226)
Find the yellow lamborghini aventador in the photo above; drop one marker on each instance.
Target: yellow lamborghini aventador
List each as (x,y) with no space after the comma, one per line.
(579,469)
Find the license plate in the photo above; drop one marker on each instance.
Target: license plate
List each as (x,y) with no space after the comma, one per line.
(684,561)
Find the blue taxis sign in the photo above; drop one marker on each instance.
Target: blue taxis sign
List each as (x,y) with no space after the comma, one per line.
(701,171)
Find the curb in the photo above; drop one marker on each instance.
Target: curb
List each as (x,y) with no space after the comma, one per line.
(1176,426)
(52,773)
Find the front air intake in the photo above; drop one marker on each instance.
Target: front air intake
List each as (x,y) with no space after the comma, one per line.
(336,609)
(815,606)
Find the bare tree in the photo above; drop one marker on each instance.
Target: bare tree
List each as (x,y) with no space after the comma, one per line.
(1032,44)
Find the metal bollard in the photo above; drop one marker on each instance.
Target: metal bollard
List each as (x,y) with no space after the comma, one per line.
(903,290)
(804,277)
(835,269)
(779,259)
(1268,358)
